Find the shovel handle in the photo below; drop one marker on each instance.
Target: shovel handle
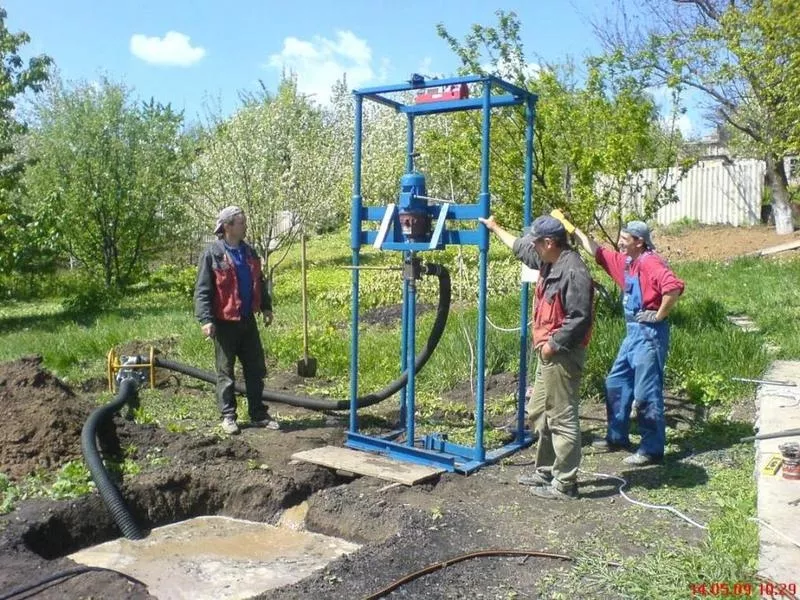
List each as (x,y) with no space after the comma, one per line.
(304,294)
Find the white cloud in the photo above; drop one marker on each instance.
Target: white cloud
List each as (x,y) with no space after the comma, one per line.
(173,49)
(318,63)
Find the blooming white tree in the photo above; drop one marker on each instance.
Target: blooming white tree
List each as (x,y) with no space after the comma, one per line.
(275,158)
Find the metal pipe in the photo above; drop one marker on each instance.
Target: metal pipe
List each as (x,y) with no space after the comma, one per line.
(355,244)
(764,381)
(483,245)
(410,350)
(403,345)
(524,296)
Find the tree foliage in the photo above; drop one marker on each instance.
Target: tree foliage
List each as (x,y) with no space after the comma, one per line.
(593,134)
(740,55)
(276,160)
(111,171)
(26,237)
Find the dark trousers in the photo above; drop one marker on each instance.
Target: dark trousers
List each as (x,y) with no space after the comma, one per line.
(240,339)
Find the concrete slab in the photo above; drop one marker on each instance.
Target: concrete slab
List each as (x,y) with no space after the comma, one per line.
(217,558)
(778,409)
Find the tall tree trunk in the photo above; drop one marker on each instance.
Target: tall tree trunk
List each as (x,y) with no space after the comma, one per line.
(779,184)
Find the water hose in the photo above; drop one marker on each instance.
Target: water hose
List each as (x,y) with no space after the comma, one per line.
(108,491)
(442,311)
(771,436)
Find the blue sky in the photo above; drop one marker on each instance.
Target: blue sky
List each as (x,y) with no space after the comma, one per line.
(195,53)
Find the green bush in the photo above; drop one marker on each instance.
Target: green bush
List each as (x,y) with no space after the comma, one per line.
(174,279)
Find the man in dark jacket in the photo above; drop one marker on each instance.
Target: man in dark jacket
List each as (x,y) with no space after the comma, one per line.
(230,290)
(562,329)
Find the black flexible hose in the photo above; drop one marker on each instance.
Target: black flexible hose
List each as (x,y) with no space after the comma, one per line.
(108,491)
(18,591)
(442,311)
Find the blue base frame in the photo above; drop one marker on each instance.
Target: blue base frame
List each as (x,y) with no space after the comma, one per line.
(436,451)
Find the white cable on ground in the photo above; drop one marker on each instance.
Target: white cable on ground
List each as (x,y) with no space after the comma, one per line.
(505,328)
(768,526)
(645,504)
(680,514)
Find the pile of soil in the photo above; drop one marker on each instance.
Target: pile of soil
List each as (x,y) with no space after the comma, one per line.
(718,242)
(43,419)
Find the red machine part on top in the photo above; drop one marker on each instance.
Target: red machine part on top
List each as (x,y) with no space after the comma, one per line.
(448,92)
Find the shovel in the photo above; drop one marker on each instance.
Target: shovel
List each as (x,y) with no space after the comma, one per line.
(306,366)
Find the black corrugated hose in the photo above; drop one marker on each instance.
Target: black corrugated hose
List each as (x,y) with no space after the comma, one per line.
(442,311)
(108,491)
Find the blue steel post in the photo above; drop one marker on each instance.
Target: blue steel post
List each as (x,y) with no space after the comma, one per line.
(483,246)
(524,302)
(355,244)
(411,356)
(403,325)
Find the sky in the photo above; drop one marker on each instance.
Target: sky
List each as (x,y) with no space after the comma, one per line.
(196,54)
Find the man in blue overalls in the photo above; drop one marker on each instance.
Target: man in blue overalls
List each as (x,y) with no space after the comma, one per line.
(650,291)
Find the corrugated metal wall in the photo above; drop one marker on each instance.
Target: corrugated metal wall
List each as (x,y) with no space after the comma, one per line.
(718,192)
(715,192)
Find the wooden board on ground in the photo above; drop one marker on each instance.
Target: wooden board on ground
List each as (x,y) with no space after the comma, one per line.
(367,463)
(795,245)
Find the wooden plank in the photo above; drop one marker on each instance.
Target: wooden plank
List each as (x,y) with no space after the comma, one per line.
(367,463)
(776,249)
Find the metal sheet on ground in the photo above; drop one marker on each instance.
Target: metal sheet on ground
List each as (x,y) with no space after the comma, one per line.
(366,463)
(217,558)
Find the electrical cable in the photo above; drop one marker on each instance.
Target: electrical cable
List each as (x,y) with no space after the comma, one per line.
(645,504)
(17,591)
(482,553)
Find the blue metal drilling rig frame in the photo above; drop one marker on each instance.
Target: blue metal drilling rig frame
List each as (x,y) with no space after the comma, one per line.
(406,227)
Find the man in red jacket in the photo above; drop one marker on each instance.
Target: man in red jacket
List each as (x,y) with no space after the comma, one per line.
(230,290)
(650,290)
(562,329)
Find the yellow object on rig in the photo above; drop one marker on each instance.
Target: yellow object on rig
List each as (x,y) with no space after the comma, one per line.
(114,364)
(560,216)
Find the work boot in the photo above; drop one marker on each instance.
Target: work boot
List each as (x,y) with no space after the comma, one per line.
(229,425)
(551,492)
(537,477)
(267,422)
(641,460)
(605,446)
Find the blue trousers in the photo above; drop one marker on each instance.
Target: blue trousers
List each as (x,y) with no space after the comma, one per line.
(638,374)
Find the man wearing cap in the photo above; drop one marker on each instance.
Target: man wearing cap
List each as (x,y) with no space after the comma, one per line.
(561,332)
(230,290)
(650,291)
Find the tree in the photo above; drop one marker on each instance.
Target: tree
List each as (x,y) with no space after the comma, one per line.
(741,56)
(592,137)
(25,238)
(276,160)
(111,171)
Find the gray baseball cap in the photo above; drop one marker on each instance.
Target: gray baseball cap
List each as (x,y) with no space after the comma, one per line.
(640,229)
(226,215)
(546,226)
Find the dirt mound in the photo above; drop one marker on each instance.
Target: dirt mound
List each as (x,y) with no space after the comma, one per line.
(42,418)
(717,242)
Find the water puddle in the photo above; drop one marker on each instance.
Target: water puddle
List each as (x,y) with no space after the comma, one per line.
(219,558)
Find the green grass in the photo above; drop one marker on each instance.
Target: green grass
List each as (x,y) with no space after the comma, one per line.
(706,351)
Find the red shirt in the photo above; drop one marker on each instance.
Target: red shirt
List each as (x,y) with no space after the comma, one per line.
(655,276)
